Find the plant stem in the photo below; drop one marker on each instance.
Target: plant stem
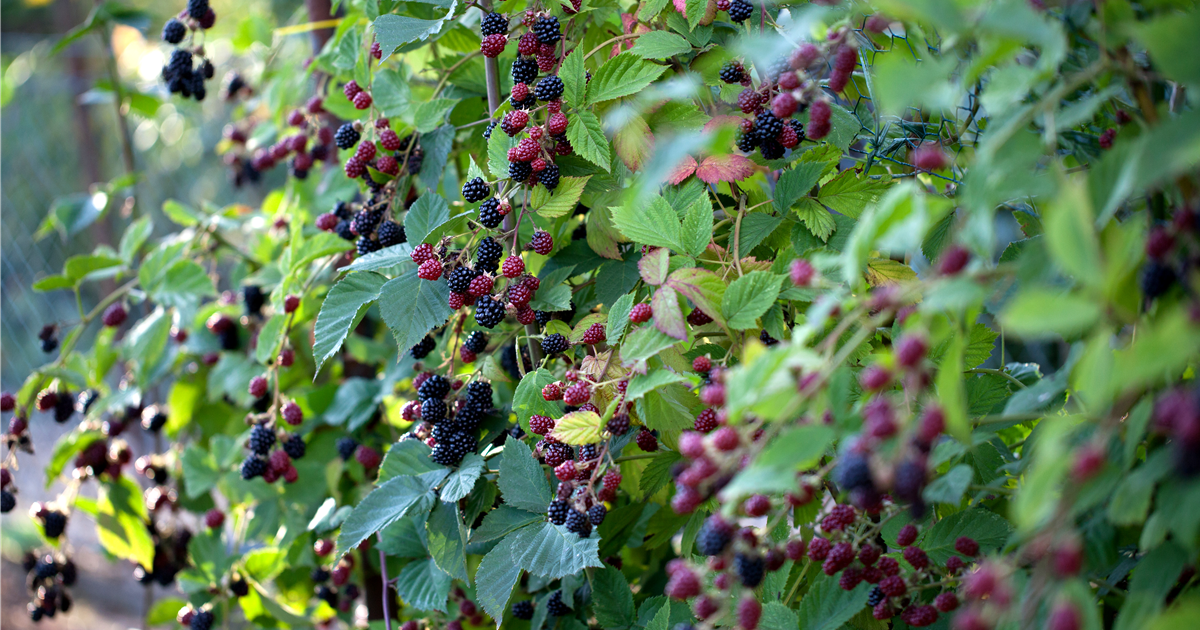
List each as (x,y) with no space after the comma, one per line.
(995,372)
(383,574)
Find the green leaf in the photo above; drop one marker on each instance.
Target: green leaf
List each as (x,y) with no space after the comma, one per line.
(668,409)
(183,286)
(497,575)
(502,521)
(827,607)
(621,76)
(980,345)
(613,600)
(797,448)
(697,229)
(65,450)
(77,268)
(564,199)
(748,297)
(816,218)
(650,9)
(654,224)
(850,194)
(340,309)
(265,563)
(776,616)
(550,551)
(268,338)
(437,145)
(755,227)
(528,401)
(951,391)
(181,214)
(1070,236)
(410,457)
(422,585)
(586,136)
(384,505)
(573,78)
(393,31)
(950,487)
(387,259)
(695,12)
(703,288)
(121,522)
(1038,312)
(988,529)
(618,317)
(660,45)
(134,237)
(497,149)
(644,343)
(795,183)
(1169,40)
(578,428)
(53,283)
(657,473)
(390,93)
(521,480)
(424,217)
(164,611)
(412,307)
(447,540)
(461,481)
(640,384)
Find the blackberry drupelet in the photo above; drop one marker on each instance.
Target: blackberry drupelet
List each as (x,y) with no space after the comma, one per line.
(524,70)
(346,447)
(261,439)
(347,136)
(732,72)
(549,177)
(253,466)
(294,447)
(460,279)
(489,214)
(557,511)
(493,24)
(740,11)
(436,386)
(549,88)
(422,349)
(475,190)
(487,256)
(391,233)
(555,606)
(488,312)
(173,31)
(519,171)
(523,610)
(547,30)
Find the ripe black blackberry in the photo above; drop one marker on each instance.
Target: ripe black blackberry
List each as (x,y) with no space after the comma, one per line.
(557,511)
(523,610)
(319,575)
(549,177)
(853,472)
(547,30)
(261,439)
(202,619)
(391,233)
(253,466)
(875,597)
(346,447)
(543,317)
(197,88)
(460,279)
(519,171)
(554,344)
(732,72)
(173,31)
(597,513)
(423,348)
(549,88)
(487,131)
(436,386)
(1156,279)
(555,606)
(909,480)
(7,501)
(714,536)
(747,142)
(347,136)
(327,595)
(343,210)
(208,70)
(487,256)
(294,447)
(433,410)
(475,190)
(153,418)
(489,212)
(447,454)
(494,24)
(579,523)
(740,11)
(365,221)
(529,102)
(64,407)
(771,149)
(524,70)
(253,298)
(618,424)
(767,126)
(777,68)
(749,569)
(197,8)
(488,312)
(479,393)
(239,587)
(343,230)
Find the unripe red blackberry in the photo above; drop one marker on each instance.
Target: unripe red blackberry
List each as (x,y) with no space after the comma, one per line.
(258,386)
(552,392)
(291,303)
(565,471)
(706,421)
(916,557)
(493,45)
(327,222)
(1067,558)
(966,546)
(577,394)
(893,586)
(214,518)
(594,334)
(513,266)
(362,100)
(351,89)
(287,357)
(946,601)
(701,364)
(818,549)
(8,402)
(367,456)
(683,584)
(907,535)
(47,400)
(115,315)
(818,119)
(541,242)
(713,395)
(354,168)
(749,101)
(646,440)
(749,611)
(429,270)
(641,313)
(698,318)
(481,285)
(541,425)
(366,151)
(757,505)
(725,439)
(953,260)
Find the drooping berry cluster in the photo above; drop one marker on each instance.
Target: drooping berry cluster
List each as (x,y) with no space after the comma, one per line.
(49,576)
(181,74)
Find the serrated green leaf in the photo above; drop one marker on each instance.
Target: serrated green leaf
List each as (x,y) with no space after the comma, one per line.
(703,288)
(340,309)
(613,600)
(564,199)
(427,214)
(121,522)
(578,428)
(660,45)
(697,229)
(657,473)
(755,227)
(497,149)
(795,183)
(528,401)
(642,383)
(621,76)
(748,298)
(422,585)
(587,138)
(461,481)
(268,338)
(497,575)
(988,529)
(850,194)
(550,551)
(393,31)
(385,504)
(521,480)
(654,224)
(1038,312)
(503,520)
(573,78)
(816,218)
(411,307)
(827,607)
(618,317)
(447,539)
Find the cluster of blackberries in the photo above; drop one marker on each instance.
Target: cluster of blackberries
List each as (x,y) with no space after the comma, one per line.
(454,433)
(269,462)
(384,154)
(423,347)
(770,135)
(170,556)
(8,500)
(48,335)
(361,225)
(332,585)
(48,579)
(180,74)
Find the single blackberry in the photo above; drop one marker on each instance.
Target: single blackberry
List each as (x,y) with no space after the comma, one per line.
(549,88)
(436,386)
(547,30)
(579,523)
(253,466)
(747,142)
(549,177)
(523,610)
(493,24)
(239,587)
(208,70)
(327,595)
(7,501)
(487,131)
(173,31)
(202,619)
(1157,278)
(875,597)
(618,424)
(732,72)
(347,136)
(366,221)
(346,447)
(391,233)
(343,230)
(487,255)
(488,312)
(909,480)
(479,393)
(554,344)
(197,8)
(64,407)
(294,447)
(777,68)
(475,190)
(597,513)
(767,126)
(555,606)
(489,213)
(749,569)
(853,472)
(446,454)
(543,317)
(798,127)
(524,70)
(422,349)
(771,149)
(252,296)
(529,102)
(740,11)
(261,439)
(197,88)
(460,279)
(343,210)
(714,536)
(519,171)
(433,410)
(153,418)
(557,512)
(319,575)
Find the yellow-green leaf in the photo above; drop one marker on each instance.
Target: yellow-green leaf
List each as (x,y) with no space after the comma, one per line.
(578,428)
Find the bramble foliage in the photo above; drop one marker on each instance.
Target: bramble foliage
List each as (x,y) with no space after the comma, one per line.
(660,315)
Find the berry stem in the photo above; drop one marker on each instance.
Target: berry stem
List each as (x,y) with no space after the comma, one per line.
(383,574)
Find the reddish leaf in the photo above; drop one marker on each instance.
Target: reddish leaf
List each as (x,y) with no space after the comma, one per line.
(682,171)
(724,168)
(724,120)
(668,317)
